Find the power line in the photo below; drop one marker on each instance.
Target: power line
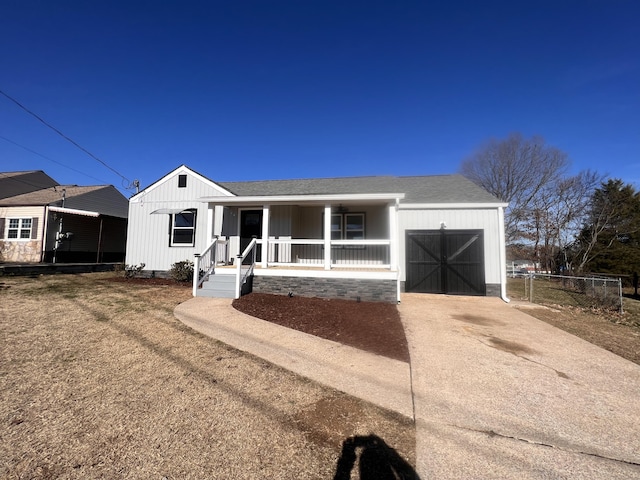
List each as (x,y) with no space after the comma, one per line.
(19,180)
(65,137)
(50,159)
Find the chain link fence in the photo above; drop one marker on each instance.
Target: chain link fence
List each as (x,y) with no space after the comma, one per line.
(585,292)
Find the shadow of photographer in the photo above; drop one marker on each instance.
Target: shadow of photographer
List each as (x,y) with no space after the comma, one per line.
(377,460)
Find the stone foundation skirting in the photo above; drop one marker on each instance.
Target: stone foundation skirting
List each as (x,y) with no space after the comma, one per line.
(343,288)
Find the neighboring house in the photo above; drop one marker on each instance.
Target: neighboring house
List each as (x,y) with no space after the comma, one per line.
(366,238)
(521,267)
(41,221)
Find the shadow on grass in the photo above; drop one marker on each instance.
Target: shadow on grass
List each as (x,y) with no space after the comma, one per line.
(378,461)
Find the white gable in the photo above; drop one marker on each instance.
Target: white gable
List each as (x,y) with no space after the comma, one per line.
(167,189)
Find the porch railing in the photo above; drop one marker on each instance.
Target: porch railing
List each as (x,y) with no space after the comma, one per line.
(245,263)
(204,263)
(344,253)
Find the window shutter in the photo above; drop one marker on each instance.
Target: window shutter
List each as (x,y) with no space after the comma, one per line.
(34,228)
(1,227)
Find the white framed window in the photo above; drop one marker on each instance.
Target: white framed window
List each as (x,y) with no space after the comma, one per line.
(19,228)
(353,226)
(183,228)
(348,226)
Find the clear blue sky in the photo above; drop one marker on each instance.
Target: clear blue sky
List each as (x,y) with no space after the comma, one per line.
(242,90)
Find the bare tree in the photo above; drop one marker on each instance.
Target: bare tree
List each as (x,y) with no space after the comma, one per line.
(557,214)
(515,170)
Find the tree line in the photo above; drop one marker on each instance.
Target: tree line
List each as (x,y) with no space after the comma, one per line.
(579,224)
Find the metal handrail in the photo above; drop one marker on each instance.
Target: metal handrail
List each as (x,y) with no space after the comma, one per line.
(240,278)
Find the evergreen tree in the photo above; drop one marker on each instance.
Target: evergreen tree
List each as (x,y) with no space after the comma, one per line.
(610,240)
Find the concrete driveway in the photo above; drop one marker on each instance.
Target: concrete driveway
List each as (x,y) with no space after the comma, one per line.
(499,394)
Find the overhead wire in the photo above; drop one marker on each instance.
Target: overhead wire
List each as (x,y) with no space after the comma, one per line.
(50,159)
(65,136)
(20,180)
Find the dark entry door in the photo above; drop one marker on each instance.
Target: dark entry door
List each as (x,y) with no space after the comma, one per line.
(250,226)
(445,261)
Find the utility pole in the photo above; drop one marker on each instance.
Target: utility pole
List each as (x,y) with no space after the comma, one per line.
(59,233)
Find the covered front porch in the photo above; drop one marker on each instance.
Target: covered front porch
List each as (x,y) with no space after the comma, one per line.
(314,237)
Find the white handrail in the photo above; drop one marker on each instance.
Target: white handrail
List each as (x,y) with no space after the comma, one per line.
(240,278)
(206,262)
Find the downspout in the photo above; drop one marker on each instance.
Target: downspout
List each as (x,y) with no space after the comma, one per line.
(503,256)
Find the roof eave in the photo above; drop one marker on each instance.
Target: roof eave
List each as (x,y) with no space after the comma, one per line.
(459,205)
(304,199)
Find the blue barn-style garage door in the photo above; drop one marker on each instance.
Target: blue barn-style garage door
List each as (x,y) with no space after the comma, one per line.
(445,261)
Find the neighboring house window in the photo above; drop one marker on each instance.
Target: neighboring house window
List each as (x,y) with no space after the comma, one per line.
(182,181)
(183,228)
(20,228)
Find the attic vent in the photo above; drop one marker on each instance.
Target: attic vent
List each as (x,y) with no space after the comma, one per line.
(182,181)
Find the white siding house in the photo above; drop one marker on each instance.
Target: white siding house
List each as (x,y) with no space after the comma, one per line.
(361,237)
(153,239)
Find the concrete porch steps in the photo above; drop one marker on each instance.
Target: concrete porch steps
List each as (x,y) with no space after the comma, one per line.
(218,286)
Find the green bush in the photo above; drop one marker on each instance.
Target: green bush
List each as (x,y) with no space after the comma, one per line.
(182,271)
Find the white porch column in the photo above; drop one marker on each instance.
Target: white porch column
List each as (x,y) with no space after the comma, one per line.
(265,235)
(217,220)
(210,223)
(394,244)
(327,237)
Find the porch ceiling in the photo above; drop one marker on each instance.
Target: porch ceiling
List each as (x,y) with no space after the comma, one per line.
(344,199)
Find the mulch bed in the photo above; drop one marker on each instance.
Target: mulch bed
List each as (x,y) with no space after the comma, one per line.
(370,326)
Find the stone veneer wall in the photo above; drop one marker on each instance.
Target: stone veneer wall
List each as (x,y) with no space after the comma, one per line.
(20,251)
(342,288)
(491,289)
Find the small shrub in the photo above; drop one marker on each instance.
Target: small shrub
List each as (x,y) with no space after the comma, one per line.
(132,271)
(182,271)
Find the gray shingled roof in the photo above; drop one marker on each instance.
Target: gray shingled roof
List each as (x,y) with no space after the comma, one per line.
(423,189)
(48,196)
(104,199)
(17,183)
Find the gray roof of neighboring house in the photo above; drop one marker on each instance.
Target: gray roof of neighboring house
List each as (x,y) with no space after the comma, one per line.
(103,199)
(419,189)
(17,183)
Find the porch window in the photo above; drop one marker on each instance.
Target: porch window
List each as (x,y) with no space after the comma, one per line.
(347,226)
(183,228)
(19,228)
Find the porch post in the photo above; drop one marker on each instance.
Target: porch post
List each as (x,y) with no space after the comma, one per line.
(393,236)
(265,235)
(218,212)
(210,222)
(327,237)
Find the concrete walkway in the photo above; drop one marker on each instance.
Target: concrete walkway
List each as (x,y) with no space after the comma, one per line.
(497,393)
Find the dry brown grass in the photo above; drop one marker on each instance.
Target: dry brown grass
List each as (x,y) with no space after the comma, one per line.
(609,329)
(99,380)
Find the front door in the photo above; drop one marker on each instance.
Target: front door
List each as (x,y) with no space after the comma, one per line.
(444,261)
(250,226)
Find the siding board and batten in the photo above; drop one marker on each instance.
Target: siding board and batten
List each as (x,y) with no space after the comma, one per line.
(148,235)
